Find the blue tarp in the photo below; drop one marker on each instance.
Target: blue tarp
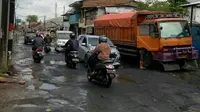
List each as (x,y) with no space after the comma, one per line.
(196,38)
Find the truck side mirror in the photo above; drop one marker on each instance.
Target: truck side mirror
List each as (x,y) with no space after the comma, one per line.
(155,29)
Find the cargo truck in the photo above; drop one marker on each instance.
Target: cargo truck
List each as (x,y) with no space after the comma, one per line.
(163,37)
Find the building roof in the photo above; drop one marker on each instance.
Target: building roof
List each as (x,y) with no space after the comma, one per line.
(104,3)
(197,3)
(69,12)
(76,3)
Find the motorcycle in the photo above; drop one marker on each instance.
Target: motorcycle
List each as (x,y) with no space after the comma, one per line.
(38,55)
(104,73)
(72,59)
(47,48)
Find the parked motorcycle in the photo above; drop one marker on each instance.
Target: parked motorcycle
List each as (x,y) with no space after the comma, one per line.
(104,73)
(38,55)
(72,59)
(47,48)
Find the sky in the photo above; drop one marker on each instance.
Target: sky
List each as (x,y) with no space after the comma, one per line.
(44,7)
(41,8)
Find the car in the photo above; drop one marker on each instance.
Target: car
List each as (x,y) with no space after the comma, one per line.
(89,42)
(29,37)
(61,39)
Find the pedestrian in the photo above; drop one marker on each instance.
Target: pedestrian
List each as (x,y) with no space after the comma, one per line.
(48,39)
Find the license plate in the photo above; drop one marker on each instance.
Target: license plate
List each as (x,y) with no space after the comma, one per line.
(75,59)
(112,76)
(59,48)
(111,71)
(181,57)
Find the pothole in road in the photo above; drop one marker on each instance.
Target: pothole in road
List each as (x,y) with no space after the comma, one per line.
(58,101)
(125,80)
(60,79)
(26,106)
(27,77)
(57,62)
(44,86)
(24,62)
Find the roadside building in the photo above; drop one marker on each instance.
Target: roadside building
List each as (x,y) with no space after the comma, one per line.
(88,10)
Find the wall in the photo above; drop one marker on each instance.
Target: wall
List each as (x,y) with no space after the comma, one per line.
(90,17)
(74,19)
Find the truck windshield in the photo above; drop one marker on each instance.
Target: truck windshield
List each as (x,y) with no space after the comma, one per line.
(174,29)
(63,35)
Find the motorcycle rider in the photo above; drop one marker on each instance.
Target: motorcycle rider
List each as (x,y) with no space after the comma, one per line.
(71,45)
(100,53)
(37,42)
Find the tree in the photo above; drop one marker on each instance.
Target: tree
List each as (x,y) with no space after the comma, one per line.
(32,18)
(175,6)
(168,6)
(154,5)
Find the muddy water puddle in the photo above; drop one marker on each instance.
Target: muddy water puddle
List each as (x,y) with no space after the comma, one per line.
(54,62)
(43,86)
(124,80)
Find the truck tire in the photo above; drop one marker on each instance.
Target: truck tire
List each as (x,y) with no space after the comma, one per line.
(148,60)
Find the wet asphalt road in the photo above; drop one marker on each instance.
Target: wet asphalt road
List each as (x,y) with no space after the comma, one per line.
(52,87)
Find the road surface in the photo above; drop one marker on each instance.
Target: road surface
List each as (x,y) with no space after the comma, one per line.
(52,87)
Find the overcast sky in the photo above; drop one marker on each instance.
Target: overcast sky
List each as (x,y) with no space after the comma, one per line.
(43,7)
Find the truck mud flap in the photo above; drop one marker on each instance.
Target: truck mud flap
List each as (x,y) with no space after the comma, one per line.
(170,66)
(190,65)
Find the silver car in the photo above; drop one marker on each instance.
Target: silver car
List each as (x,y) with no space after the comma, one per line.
(89,42)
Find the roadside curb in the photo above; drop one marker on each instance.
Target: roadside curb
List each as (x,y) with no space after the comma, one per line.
(7,79)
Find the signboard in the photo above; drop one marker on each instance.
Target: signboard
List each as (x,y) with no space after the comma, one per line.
(111,10)
(19,20)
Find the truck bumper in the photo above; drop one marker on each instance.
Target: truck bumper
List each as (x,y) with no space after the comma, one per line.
(173,56)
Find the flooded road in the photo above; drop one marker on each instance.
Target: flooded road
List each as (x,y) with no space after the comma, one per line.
(52,87)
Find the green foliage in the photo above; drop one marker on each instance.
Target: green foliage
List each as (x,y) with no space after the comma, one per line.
(32,18)
(175,6)
(154,5)
(167,6)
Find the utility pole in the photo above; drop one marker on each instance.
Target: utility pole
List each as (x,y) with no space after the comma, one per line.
(0,29)
(56,6)
(45,23)
(5,24)
(11,28)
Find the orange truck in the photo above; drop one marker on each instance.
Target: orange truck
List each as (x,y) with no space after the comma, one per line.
(164,37)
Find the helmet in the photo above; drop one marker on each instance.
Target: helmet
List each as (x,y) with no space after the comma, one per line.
(102,39)
(72,36)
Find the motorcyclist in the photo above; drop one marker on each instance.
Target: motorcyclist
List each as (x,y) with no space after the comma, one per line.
(37,42)
(71,45)
(100,53)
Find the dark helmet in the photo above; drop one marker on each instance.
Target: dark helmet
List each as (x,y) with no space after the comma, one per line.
(102,39)
(72,36)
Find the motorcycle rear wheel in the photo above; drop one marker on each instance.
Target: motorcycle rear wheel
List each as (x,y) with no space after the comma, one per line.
(88,75)
(73,65)
(107,81)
